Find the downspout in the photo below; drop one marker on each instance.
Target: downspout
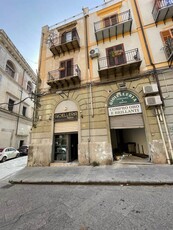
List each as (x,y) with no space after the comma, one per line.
(161,132)
(148,52)
(86,12)
(21,92)
(156,77)
(167,132)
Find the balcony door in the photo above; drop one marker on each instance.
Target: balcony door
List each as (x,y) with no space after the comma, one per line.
(66,68)
(116,55)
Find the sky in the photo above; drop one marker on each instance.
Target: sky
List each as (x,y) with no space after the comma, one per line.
(22,20)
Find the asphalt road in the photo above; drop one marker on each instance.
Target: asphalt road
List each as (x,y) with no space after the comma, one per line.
(58,207)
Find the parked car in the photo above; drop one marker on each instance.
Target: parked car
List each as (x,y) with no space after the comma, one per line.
(23,149)
(8,153)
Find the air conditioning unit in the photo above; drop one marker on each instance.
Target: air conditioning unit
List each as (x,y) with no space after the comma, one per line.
(150,89)
(94,53)
(152,101)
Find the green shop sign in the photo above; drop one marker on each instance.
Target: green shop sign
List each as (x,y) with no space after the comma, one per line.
(122,98)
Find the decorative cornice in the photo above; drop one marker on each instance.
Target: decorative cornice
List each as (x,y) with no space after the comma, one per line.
(8,44)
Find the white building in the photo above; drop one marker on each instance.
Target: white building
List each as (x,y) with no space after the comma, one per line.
(17,81)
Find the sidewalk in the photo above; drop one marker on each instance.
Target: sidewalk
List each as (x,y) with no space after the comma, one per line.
(116,174)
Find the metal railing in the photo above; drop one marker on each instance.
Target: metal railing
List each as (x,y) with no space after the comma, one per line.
(114,20)
(54,40)
(159,4)
(130,56)
(61,73)
(168,48)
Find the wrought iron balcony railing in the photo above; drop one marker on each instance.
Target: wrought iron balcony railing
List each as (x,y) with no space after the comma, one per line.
(123,58)
(66,42)
(168,48)
(162,10)
(64,75)
(113,25)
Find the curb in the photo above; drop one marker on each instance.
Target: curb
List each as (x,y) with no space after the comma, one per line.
(102,183)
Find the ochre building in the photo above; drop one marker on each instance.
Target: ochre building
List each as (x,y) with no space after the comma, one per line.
(106,86)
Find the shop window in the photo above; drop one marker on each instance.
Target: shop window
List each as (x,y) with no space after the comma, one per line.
(11,105)
(24,111)
(68,36)
(112,20)
(29,87)
(10,68)
(66,68)
(116,55)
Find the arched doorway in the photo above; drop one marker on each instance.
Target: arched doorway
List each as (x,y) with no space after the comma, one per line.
(127,127)
(66,132)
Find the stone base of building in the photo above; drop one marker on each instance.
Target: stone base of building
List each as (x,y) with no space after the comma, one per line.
(95,153)
(157,153)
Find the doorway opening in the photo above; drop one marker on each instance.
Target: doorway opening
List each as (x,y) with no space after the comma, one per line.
(129,143)
(66,147)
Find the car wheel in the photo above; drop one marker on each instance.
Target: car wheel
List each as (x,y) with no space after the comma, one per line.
(4,159)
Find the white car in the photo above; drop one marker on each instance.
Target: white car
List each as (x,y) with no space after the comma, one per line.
(8,153)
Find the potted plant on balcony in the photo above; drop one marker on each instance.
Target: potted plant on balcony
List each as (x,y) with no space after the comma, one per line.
(117,53)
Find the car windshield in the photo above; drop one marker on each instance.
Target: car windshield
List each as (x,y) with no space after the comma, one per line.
(1,149)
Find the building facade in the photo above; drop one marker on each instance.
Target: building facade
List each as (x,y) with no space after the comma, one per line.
(17,81)
(106,78)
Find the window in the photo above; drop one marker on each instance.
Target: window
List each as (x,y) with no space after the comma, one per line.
(68,36)
(24,111)
(112,20)
(166,35)
(66,68)
(10,68)
(10,105)
(116,55)
(29,87)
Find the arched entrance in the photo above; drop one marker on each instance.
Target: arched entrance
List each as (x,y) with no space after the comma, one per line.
(66,132)
(126,125)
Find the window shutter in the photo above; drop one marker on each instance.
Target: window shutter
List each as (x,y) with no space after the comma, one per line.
(63,37)
(114,19)
(69,68)
(107,22)
(74,34)
(165,35)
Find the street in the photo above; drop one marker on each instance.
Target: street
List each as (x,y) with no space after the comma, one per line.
(81,207)
(85,207)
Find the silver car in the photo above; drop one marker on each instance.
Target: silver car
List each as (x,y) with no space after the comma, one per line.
(8,153)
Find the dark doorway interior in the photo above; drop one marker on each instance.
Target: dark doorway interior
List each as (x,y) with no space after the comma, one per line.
(74,146)
(66,147)
(21,143)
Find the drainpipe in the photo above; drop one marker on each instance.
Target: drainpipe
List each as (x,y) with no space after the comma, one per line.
(155,75)
(86,15)
(161,132)
(21,92)
(167,132)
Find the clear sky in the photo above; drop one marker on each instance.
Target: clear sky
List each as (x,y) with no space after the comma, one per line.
(22,20)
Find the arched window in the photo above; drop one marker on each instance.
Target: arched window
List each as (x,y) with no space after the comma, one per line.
(10,68)
(29,87)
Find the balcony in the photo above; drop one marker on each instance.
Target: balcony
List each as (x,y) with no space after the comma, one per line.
(64,77)
(162,10)
(121,63)
(113,26)
(62,44)
(168,48)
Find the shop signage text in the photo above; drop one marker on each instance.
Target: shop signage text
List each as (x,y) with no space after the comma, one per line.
(123,110)
(122,98)
(67,116)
